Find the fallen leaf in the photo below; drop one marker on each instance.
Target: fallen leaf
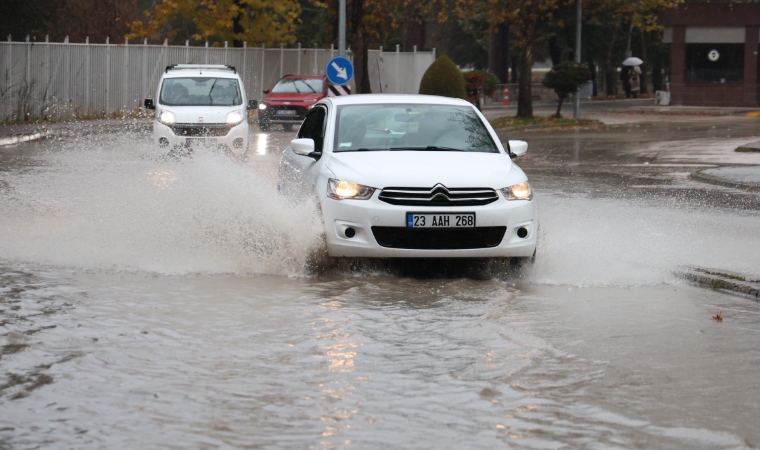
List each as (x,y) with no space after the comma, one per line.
(718,317)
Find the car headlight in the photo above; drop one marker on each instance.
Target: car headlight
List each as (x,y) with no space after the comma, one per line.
(262,106)
(166,118)
(520,191)
(234,118)
(339,190)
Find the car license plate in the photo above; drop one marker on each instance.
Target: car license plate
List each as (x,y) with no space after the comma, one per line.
(428,220)
(201,142)
(286,112)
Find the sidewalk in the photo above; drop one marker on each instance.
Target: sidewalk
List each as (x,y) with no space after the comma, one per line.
(742,177)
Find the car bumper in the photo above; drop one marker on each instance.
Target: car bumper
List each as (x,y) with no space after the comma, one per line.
(239,131)
(362,215)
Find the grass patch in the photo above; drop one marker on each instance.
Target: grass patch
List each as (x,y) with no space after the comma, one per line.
(748,149)
(544,123)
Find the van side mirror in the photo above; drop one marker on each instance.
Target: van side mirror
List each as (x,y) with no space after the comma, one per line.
(304,147)
(149,103)
(517,148)
(266,91)
(253,105)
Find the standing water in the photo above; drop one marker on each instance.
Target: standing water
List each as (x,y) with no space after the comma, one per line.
(152,303)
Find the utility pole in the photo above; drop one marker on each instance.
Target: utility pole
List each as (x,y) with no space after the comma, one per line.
(578,13)
(342,29)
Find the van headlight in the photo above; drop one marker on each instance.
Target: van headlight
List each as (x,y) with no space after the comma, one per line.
(519,191)
(166,118)
(340,190)
(234,118)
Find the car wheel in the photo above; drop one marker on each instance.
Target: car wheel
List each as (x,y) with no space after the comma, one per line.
(288,127)
(264,126)
(523,263)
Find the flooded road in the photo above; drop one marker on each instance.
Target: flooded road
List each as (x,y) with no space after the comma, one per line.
(150,303)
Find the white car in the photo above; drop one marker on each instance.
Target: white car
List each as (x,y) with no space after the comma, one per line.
(201,105)
(411,176)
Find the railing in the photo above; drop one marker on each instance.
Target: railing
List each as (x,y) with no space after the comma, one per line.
(46,80)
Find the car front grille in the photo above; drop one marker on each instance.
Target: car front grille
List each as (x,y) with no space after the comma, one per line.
(439,195)
(438,238)
(200,129)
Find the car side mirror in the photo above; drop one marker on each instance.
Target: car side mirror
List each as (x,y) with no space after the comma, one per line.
(253,104)
(304,147)
(266,91)
(517,148)
(149,103)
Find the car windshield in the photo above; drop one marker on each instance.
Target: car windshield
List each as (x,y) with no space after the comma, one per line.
(298,85)
(411,127)
(201,91)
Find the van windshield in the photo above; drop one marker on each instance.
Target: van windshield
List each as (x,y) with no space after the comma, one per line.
(200,91)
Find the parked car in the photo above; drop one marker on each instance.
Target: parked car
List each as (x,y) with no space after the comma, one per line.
(201,105)
(411,176)
(288,102)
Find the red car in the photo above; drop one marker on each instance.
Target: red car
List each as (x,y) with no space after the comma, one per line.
(288,102)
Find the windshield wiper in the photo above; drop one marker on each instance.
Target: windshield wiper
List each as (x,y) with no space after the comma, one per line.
(211,99)
(363,149)
(307,85)
(429,148)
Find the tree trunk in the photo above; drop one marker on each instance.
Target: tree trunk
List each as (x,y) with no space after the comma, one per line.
(592,68)
(498,53)
(237,27)
(555,50)
(515,69)
(361,71)
(414,32)
(525,94)
(559,107)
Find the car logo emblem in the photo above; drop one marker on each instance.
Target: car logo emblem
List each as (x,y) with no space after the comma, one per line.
(200,119)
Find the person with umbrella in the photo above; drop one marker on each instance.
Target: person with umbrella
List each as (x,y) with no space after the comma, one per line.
(632,72)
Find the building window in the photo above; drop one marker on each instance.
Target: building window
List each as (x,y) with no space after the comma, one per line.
(714,63)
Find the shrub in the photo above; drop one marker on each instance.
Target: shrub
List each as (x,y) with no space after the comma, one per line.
(487,81)
(566,78)
(443,78)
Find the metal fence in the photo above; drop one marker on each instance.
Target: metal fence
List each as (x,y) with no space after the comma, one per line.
(46,80)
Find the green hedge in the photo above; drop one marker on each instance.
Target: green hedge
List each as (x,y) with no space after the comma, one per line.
(443,78)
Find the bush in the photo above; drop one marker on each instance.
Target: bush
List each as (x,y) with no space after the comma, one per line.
(443,78)
(566,78)
(487,81)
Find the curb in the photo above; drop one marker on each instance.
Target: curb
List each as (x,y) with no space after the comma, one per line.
(19,138)
(724,281)
(719,181)
(78,129)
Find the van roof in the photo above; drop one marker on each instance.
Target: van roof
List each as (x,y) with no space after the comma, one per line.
(217,70)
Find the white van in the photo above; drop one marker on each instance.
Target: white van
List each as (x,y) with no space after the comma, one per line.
(201,105)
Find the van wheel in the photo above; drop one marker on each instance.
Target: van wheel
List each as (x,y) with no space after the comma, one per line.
(288,127)
(264,126)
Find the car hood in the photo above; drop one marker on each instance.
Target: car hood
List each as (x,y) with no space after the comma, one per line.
(382,169)
(202,114)
(295,98)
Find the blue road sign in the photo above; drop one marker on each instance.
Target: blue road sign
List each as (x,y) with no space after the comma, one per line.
(339,70)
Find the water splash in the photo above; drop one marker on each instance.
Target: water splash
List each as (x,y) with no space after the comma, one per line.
(111,202)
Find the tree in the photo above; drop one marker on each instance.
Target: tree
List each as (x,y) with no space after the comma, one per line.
(566,78)
(254,21)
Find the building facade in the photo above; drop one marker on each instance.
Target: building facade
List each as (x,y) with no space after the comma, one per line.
(714,53)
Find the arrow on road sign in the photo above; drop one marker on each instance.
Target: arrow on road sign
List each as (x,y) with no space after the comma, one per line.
(341,71)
